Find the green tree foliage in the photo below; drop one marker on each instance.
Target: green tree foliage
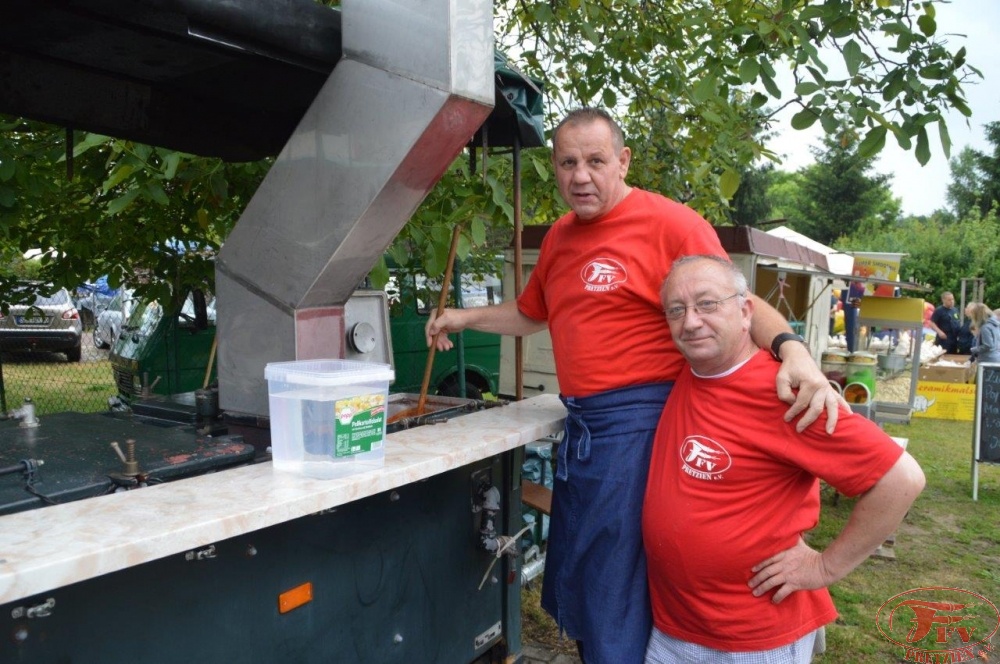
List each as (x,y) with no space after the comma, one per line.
(988,168)
(966,187)
(145,215)
(940,251)
(751,206)
(689,77)
(689,80)
(839,195)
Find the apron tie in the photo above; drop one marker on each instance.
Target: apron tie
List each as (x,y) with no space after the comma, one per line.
(574,418)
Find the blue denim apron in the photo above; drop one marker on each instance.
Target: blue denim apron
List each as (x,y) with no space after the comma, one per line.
(595,567)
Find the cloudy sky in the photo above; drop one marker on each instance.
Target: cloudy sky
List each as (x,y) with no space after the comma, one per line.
(921,189)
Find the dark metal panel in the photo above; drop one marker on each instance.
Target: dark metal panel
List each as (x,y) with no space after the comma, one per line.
(395,579)
(79,460)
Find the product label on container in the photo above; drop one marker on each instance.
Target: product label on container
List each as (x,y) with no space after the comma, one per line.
(360,424)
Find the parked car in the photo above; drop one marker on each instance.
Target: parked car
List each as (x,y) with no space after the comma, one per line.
(109,321)
(91,299)
(50,323)
(164,354)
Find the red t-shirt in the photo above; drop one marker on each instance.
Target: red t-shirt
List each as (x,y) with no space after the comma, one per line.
(597,284)
(730,484)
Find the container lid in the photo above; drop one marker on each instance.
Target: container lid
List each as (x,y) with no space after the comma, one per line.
(328,372)
(862,357)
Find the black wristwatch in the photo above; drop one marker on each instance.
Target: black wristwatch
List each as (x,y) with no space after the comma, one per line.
(782,338)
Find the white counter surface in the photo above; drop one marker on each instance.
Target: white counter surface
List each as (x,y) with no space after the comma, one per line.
(54,546)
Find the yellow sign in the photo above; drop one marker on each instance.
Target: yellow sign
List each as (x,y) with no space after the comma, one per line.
(881,265)
(945,401)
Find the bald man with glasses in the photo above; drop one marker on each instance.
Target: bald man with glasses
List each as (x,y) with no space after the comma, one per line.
(732,488)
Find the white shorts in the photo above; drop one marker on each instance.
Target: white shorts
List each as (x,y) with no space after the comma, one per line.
(664,649)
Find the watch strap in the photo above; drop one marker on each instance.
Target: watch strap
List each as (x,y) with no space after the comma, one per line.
(782,338)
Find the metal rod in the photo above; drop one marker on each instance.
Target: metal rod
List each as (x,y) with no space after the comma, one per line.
(518,262)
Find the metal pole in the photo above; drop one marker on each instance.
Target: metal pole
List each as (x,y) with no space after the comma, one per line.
(518,261)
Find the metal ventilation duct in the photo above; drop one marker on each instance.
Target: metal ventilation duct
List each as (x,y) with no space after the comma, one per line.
(414,84)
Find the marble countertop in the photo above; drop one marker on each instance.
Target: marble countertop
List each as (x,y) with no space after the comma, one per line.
(54,546)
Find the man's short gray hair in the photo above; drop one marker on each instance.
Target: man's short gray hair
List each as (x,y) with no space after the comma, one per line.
(590,114)
(738,279)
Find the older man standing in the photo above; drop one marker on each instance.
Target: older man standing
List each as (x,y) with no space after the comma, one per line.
(733,487)
(596,288)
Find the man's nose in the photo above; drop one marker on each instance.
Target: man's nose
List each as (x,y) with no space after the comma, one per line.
(692,319)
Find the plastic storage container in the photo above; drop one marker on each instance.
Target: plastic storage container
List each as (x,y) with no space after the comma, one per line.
(861,369)
(834,366)
(327,416)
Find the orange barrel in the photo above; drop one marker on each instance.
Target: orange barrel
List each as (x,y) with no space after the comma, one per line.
(834,366)
(861,369)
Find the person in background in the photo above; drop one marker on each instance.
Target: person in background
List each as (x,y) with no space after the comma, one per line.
(986,328)
(944,322)
(835,306)
(928,331)
(729,497)
(596,288)
(851,299)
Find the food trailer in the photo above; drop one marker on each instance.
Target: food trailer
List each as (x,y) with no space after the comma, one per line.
(165,534)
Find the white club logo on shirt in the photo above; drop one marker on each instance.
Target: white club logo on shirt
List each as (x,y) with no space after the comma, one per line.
(704,459)
(603,274)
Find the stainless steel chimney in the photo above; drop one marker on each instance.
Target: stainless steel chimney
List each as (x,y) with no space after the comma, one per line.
(414,84)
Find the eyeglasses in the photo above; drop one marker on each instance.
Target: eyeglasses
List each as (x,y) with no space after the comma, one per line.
(701,306)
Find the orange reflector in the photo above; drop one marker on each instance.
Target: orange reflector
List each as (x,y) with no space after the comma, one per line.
(294,598)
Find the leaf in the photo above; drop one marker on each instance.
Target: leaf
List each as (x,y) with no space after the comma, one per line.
(542,169)
(729,182)
(923,147)
(7,170)
(155,192)
(853,57)
(170,162)
(926,23)
(478,230)
(219,185)
(711,116)
(945,138)
(117,176)
(806,88)
(831,125)
(89,141)
(749,68)
(873,143)
(122,202)
(380,273)
(770,85)
(704,89)
(804,119)
(609,97)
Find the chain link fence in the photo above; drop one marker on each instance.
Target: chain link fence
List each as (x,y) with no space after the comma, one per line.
(54,383)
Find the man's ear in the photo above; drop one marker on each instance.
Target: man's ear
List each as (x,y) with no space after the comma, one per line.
(625,160)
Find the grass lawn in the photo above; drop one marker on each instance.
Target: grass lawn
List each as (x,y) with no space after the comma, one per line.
(57,386)
(946,540)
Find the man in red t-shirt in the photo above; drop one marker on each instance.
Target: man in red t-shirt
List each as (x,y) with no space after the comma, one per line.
(596,288)
(732,488)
